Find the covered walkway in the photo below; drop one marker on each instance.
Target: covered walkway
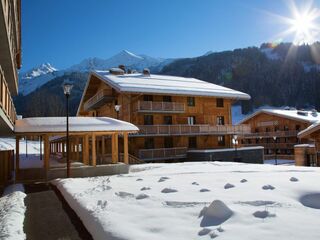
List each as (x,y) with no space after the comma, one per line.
(89,140)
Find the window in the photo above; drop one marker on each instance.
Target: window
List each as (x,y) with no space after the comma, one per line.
(219,102)
(166,98)
(168,142)
(267,129)
(192,142)
(167,120)
(149,143)
(191,120)
(191,101)
(297,127)
(276,128)
(147,98)
(148,119)
(256,130)
(220,120)
(286,128)
(221,141)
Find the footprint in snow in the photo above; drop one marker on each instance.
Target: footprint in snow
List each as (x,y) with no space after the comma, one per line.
(169,190)
(195,183)
(142,196)
(263,214)
(293,179)
(162,179)
(228,185)
(145,188)
(204,231)
(124,194)
(204,190)
(268,187)
(139,179)
(244,180)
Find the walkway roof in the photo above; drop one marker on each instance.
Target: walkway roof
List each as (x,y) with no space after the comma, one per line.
(76,125)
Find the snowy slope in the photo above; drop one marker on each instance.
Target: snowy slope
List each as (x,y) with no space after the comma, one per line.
(201,200)
(36,77)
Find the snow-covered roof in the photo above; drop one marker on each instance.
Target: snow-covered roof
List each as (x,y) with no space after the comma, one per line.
(76,124)
(307,116)
(312,128)
(163,84)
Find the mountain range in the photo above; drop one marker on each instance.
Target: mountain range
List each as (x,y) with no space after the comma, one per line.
(274,75)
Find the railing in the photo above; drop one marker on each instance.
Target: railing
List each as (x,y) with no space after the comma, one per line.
(6,102)
(272,145)
(162,153)
(291,133)
(200,129)
(150,106)
(96,98)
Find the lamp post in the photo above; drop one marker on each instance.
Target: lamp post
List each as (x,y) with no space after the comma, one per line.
(67,86)
(235,143)
(275,149)
(117,109)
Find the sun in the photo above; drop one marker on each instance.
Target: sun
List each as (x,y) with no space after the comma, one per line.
(303,25)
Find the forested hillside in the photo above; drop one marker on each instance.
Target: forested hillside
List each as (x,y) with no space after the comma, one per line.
(282,75)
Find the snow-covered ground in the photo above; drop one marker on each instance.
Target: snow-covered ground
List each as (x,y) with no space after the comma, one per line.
(12,210)
(202,200)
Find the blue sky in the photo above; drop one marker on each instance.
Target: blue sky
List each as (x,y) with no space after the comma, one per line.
(63,32)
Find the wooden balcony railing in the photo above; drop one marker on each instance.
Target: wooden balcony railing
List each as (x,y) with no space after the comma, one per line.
(6,102)
(291,133)
(150,106)
(199,129)
(101,97)
(272,145)
(162,153)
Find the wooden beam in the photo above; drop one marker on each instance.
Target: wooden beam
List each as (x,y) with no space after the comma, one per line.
(103,147)
(46,152)
(77,149)
(94,151)
(114,148)
(125,148)
(17,154)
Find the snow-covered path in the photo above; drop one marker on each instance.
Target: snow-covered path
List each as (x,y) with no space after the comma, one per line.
(199,201)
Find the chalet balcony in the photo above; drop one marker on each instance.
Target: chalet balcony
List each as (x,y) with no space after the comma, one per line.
(278,134)
(162,153)
(199,129)
(99,99)
(272,145)
(159,107)
(7,110)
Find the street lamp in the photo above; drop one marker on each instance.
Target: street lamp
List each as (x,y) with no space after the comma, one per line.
(67,86)
(275,149)
(235,143)
(117,109)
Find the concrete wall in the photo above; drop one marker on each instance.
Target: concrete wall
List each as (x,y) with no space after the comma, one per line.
(245,154)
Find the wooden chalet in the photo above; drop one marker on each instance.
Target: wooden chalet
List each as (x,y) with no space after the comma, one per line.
(173,114)
(276,130)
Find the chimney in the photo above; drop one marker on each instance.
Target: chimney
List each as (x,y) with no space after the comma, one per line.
(146,72)
(121,66)
(116,71)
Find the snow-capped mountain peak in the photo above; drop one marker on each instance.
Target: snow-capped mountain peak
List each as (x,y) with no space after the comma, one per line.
(42,69)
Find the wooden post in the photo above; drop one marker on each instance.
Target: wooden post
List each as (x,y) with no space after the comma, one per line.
(17,154)
(94,151)
(85,150)
(114,148)
(103,147)
(46,152)
(125,148)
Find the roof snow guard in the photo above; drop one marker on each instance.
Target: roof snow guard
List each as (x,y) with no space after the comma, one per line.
(162,84)
(76,124)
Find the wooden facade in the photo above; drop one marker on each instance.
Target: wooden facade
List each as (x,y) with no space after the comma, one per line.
(277,134)
(169,124)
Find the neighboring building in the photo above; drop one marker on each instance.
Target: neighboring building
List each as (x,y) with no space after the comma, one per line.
(309,154)
(276,130)
(10,61)
(174,114)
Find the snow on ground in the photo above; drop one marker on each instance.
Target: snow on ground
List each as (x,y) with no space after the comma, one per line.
(12,210)
(201,200)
